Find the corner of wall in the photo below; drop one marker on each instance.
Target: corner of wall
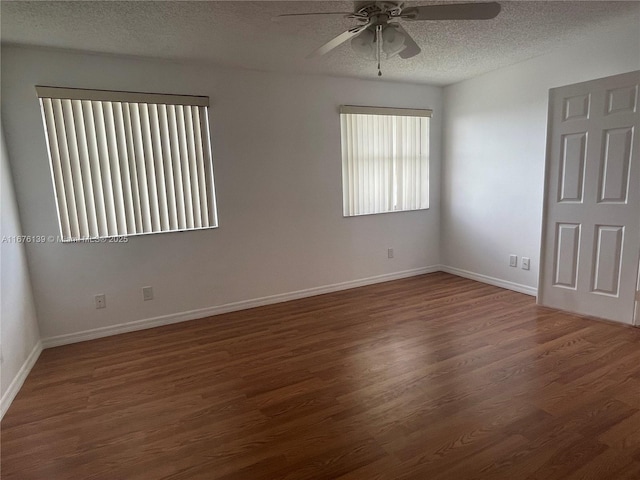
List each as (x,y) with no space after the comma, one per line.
(19,331)
(18,380)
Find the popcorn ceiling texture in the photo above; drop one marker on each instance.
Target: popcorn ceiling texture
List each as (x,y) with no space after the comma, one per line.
(242,34)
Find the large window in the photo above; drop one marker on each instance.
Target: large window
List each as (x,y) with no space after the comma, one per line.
(385,159)
(128,163)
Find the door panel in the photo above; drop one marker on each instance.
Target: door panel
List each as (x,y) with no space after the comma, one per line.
(607,259)
(622,99)
(574,151)
(576,107)
(566,265)
(616,160)
(591,229)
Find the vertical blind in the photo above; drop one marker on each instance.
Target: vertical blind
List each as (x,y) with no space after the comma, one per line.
(128,163)
(385,159)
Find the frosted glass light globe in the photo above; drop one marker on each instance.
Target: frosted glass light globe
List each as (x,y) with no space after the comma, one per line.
(364,44)
(392,40)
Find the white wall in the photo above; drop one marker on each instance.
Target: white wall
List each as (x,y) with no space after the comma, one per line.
(276,146)
(494,149)
(19,335)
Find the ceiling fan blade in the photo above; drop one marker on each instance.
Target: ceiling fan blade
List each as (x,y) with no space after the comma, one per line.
(287,16)
(455,11)
(336,42)
(411,48)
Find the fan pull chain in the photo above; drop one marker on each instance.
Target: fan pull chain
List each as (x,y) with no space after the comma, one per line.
(379,47)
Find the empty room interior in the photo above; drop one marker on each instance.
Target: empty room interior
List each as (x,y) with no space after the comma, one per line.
(263,240)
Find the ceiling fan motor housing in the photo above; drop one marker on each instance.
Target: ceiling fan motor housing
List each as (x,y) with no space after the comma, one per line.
(367,11)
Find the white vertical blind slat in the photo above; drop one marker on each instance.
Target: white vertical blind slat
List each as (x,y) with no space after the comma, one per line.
(124,168)
(345,168)
(372,158)
(363,164)
(387,174)
(408,165)
(359,161)
(174,136)
(133,168)
(84,161)
(352,168)
(103,168)
(374,152)
(425,155)
(378,199)
(347,165)
(89,163)
(193,168)
(149,161)
(141,168)
(184,161)
(163,125)
(419,160)
(114,156)
(415,160)
(208,167)
(353,161)
(76,170)
(202,183)
(375,157)
(161,189)
(56,167)
(399,166)
(125,172)
(67,172)
(379,191)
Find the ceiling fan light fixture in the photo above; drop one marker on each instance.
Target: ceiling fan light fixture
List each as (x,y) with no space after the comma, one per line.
(393,40)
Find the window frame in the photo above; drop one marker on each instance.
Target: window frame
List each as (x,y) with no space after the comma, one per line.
(197,156)
(383,111)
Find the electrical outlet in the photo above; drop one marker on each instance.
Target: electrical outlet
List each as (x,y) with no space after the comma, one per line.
(390,253)
(101,301)
(147,293)
(513,260)
(525,263)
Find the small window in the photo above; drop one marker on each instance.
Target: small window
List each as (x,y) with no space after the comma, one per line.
(385,159)
(128,163)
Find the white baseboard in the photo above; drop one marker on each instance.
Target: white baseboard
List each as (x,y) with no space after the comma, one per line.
(229,307)
(478,277)
(19,379)
(269,300)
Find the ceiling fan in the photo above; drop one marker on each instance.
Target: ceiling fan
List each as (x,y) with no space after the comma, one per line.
(379,31)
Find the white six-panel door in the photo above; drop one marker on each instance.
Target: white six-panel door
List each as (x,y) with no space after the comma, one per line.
(591,228)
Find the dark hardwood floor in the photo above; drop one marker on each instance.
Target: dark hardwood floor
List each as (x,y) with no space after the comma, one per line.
(432,377)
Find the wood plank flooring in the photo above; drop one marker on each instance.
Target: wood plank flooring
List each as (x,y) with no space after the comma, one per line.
(432,377)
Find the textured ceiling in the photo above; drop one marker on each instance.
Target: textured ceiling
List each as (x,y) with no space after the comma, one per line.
(242,34)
